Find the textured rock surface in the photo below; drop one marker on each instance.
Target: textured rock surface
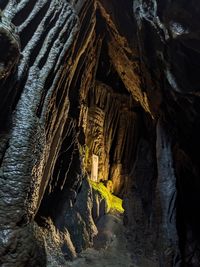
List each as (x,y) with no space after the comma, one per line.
(32,146)
(118,79)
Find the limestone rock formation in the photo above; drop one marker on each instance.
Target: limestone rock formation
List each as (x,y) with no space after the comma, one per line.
(114,79)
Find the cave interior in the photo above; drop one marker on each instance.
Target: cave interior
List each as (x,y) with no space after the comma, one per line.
(99,115)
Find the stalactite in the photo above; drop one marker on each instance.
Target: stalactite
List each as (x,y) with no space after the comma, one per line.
(109,121)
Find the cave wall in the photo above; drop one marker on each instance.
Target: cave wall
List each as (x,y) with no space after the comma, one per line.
(168,42)
(124,73)
(45,42)
(49,59)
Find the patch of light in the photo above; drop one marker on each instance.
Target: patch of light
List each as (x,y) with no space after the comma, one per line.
(113,202)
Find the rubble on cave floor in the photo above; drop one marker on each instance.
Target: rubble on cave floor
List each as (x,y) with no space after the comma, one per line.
(110,245)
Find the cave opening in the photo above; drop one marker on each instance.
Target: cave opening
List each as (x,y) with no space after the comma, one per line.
(105,125)
(110,133)
(108,130)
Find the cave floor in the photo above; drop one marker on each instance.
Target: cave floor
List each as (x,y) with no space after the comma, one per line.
(110,246)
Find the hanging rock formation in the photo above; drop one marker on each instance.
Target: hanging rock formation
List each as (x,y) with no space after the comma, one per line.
(115,79)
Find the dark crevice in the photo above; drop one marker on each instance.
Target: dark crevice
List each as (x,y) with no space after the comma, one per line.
(27,33)
(85,29)
(107,74)
(75,87)
(62,181)
(21,16)
(3,4)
